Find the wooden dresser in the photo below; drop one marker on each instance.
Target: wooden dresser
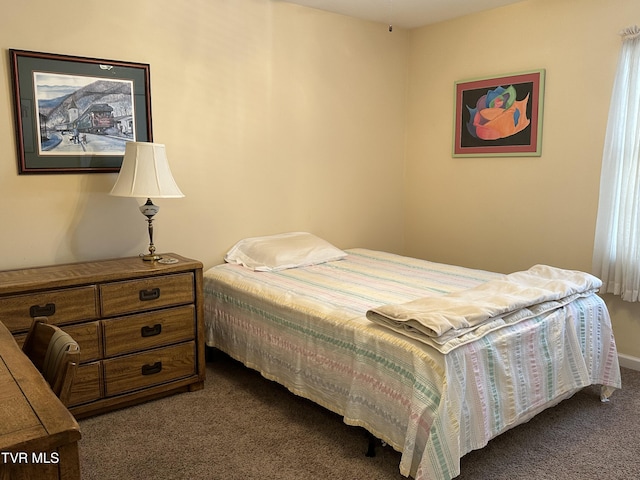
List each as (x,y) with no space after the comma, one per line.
(139,325)
(38,435)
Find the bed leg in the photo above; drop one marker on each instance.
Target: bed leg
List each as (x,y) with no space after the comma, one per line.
(371,449)
(210,353)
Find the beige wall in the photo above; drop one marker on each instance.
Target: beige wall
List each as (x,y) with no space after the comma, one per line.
(278,117)
(275,118)
(506,214)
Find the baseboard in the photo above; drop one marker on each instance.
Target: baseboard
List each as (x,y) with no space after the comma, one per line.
(628,361)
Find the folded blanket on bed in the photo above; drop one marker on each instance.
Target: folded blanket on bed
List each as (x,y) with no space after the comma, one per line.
(460,317)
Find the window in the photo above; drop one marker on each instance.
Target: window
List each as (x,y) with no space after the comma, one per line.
(616,256)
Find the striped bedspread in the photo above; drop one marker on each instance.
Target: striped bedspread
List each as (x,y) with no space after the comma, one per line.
(306,329)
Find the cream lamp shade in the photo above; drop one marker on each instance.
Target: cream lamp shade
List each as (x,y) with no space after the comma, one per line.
(145,173)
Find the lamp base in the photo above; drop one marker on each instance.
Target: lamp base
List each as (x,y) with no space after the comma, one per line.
(149,257)
(149,210)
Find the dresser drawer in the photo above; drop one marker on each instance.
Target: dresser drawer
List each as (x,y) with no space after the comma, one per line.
(88,337)
(59,306)
(148,330)
(86,384)
(132,296)
(86,334)
(141,370)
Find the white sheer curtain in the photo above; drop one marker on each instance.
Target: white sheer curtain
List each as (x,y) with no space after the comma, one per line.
(616,256)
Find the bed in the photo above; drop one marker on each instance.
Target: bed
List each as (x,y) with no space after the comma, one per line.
(309,326)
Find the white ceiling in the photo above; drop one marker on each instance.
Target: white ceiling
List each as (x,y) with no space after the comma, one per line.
(404,13)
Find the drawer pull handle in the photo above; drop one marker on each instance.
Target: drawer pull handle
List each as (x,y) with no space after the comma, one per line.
(151,294)
(151,331)
(45,311)
(152,369)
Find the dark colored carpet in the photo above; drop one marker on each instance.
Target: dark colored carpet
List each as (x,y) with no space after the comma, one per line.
(242,426)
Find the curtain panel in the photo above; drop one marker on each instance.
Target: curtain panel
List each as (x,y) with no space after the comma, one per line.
(616,257)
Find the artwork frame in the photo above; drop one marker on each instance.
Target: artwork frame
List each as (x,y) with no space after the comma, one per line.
(75,114)
(486,126)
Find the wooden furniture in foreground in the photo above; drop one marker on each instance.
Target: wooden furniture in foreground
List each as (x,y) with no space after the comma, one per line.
(38,435)
(138,324)
(55,354)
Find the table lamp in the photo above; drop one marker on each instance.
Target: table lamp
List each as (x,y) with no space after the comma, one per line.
(145,173)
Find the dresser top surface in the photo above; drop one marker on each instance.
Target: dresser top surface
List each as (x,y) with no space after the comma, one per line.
(58,276)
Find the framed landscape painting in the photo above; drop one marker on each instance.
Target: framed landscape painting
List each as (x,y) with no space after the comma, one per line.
(499,116)
(75,114)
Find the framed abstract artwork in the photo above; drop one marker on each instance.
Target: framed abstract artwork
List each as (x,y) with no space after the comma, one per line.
(75,114)
(499,116)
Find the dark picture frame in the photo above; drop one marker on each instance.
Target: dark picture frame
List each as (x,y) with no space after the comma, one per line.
(75,114)
(499,116)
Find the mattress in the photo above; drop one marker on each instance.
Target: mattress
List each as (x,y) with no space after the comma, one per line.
(306,329)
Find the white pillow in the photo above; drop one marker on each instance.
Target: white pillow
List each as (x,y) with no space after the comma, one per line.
(282,251)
